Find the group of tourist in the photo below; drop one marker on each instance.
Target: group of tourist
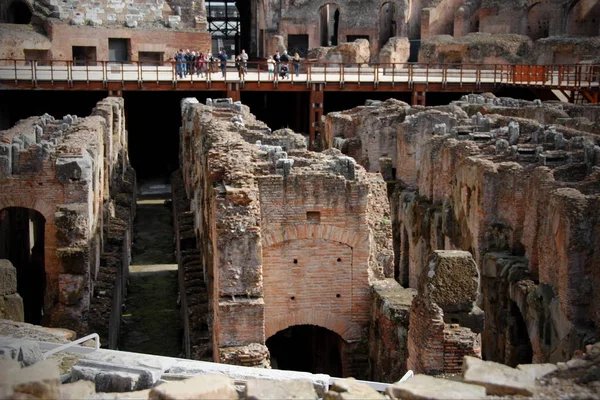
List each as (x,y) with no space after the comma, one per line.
(278,65)
(191,62)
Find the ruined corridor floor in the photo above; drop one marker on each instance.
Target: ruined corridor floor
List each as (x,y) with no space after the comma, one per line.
(151,318)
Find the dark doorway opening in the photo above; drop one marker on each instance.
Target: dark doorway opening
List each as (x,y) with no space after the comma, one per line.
(84,55)
(520,351)
(18,13)
(298,44)
(118,50)
(329,21)
(22,243)
(306,348)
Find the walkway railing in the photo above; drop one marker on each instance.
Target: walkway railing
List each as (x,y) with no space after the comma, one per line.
(577,76)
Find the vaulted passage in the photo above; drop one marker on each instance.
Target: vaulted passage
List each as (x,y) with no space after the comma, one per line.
(22,243)
(306,348)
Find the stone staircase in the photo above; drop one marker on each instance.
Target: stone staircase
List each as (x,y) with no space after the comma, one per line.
(193,290)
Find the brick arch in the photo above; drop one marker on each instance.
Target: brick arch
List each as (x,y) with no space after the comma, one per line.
(347,330)
(309,231)
(32,203)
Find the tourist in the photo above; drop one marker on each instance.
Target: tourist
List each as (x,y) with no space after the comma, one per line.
(271,68)
(296,62)
(285,59)
(277,59)
(201,65)
(240,65)
(244,56)
(223,63)
(180,62)
(186,58)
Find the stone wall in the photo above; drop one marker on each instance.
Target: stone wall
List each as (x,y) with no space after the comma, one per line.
(388,332)
(11,304)
(286,235)
(75,172)
(475,180)
(142,13)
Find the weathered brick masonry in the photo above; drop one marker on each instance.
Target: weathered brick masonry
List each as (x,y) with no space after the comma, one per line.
(75,172)
(288,237)
(515,184)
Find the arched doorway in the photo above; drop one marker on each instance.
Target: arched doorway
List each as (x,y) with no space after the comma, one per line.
(583,17)
(18,13)
(538,21)
(22,243)
(307,348)
(387,23)
(330,22)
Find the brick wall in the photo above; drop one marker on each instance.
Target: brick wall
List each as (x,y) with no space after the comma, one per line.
(71,171)
(165,41)
(281,247)
(458,343)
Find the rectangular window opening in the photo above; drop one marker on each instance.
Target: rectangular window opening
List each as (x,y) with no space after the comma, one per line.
(313,217)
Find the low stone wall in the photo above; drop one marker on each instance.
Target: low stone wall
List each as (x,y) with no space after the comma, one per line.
(11,304)
(388,332)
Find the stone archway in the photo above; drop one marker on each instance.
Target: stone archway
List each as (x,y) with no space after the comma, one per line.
(538,20)
(329,17)
(22,242)
(582,17)
(309,348)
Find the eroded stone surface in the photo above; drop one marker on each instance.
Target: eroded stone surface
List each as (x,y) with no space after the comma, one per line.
(423,387)
(200,387)
(258,389)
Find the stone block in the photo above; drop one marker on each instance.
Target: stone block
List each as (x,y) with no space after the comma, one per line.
(498,379)
(77,390)
(7,369)
(110,377)
(423,387)
(259,389)
(5,160)
(8,278)
(199,387)
(450,280)
(11,307)
(73,169)
(73,259)
(70,288)
(24,351)
(350,389)
(39,381)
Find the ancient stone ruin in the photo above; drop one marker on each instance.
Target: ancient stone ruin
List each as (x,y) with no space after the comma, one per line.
(513,182)
(66,209)
(422,239)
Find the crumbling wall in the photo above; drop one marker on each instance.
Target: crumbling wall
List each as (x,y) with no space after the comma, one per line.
(388,331)
(437,342)
(286,236)
(502,183)
(75,172)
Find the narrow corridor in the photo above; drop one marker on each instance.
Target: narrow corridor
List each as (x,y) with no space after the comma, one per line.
(151,317)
